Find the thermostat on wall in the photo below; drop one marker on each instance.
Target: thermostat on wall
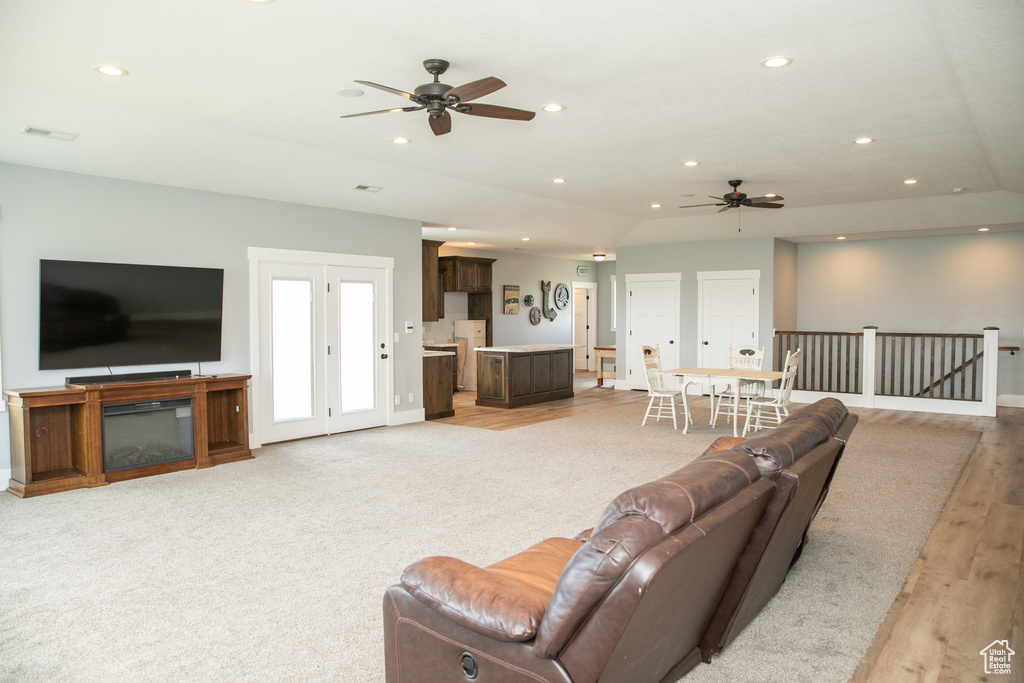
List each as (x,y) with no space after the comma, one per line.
(408,327)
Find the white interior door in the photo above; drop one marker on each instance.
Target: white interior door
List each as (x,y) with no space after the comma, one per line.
(652,303)
(357,349)
(584,325)
(728,314)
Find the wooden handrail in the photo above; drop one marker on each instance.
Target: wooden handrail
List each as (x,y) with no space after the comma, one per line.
(949,375)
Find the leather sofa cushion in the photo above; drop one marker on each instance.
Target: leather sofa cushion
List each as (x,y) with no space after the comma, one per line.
(686,494)
(798,434)
(634,522)
(505,601)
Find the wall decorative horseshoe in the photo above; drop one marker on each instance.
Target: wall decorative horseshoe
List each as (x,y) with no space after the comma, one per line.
(535,316)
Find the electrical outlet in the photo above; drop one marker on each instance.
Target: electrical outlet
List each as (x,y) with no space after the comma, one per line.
(398,400)
(412,398)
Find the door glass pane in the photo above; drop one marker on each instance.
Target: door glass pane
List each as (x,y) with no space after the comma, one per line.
(291,314)
(358,352)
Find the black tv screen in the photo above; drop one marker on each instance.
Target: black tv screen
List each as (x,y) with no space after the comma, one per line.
(94,315)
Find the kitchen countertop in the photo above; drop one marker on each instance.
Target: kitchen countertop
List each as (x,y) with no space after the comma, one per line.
(452,344)
(525,348)
(430,354)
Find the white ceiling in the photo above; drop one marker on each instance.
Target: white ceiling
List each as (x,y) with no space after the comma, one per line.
(237,97)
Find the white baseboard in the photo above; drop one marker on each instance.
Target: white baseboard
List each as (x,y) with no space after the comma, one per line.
(407,417)
(1010,400)
(5,475)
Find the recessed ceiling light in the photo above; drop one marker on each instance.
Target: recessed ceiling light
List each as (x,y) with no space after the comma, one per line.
(400,141)
(558,180)
(776,62)
(260,2)
(909,181)
(863,141)
(655,206)
(470,243)
(983,229)
(108,70)
(351,92)
(526,239)
(840,238)
(691,163)
(599,257)
(453,229)
(553,107)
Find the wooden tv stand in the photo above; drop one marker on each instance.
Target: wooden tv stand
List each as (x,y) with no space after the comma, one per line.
(57,432)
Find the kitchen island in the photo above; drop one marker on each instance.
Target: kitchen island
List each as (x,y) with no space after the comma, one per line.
(521,375)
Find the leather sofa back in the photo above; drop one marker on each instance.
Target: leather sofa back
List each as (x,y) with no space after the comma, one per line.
(673,541)
(800,456)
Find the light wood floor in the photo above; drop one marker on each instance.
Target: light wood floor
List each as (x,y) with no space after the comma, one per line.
(966,589)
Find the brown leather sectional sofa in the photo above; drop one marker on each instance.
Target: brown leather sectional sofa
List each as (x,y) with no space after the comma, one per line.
(671,573)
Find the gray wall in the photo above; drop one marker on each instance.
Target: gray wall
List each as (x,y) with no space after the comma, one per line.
(956,283)
(526,271)
(605,334)
(690,258)
(51,214)
(785,300)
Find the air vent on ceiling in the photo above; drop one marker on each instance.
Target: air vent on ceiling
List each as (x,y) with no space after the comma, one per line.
(50,134)
(367,188)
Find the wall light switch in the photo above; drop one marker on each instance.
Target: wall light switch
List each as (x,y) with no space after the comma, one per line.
(409,327)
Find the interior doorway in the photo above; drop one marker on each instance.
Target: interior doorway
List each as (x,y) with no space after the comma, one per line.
(727,315)
(652,313)
(584,324)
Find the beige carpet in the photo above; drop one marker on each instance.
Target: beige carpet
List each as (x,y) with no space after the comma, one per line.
(274,569)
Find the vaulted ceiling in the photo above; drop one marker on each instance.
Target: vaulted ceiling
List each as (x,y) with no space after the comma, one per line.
(242,97)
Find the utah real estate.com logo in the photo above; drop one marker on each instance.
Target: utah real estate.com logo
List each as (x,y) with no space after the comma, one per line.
(997,657)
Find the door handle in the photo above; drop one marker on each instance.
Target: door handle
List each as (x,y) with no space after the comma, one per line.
(671,341)
(384,356)
(705,343)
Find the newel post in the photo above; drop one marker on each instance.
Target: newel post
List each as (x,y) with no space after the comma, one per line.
(989,381)
(867,367)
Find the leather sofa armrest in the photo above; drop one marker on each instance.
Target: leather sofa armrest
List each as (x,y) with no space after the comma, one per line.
(476,598)
(584,535)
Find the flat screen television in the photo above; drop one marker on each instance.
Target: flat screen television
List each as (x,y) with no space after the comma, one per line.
(94,315)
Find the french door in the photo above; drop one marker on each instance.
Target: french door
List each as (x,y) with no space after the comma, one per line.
(323,356)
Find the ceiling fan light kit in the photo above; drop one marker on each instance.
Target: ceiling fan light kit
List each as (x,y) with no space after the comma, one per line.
(440,98)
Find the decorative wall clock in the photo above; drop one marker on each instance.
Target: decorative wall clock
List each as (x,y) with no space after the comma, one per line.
(535,315)
(561,295)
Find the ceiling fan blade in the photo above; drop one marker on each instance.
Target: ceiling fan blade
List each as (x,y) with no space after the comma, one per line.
(471,91)
(766,206)
(401,93)
(694,206)
(762,200)
(725,208)
(441,124)
(496,112)
(382,111)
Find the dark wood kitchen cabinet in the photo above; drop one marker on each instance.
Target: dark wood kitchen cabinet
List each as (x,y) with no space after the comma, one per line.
(433,294)
(466,273)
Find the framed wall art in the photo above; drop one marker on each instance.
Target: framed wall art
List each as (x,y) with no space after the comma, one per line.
(511,298)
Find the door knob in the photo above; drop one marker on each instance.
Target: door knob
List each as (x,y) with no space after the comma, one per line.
(384,355)
(705,343)
(671,341)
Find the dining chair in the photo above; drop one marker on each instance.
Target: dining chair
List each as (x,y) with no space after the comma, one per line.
(765,411)
(656,389)
(745,358)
